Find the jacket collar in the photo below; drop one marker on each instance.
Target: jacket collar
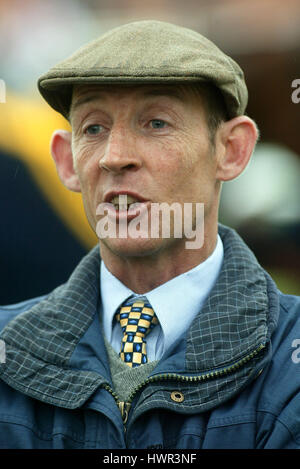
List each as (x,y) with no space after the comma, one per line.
(238,317)
(40,342)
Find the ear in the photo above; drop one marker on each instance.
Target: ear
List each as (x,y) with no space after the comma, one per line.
(238,138)
(61,150)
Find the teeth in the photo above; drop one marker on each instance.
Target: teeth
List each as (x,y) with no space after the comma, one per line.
(123,201)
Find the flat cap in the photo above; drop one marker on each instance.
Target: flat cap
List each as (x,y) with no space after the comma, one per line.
(145,52)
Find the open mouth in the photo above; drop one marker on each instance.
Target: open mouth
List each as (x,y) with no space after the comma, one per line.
(124,202)
(124,206)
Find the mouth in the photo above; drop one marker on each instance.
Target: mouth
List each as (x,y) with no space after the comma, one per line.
(124,206)
(124,201)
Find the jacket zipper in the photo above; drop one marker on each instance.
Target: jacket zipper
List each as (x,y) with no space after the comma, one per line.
(125,406)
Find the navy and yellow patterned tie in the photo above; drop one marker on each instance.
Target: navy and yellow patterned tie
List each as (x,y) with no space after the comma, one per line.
(136,318)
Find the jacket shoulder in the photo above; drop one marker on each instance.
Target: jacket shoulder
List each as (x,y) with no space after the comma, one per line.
(288,326)
(286,340)
(289,303)
(9,312)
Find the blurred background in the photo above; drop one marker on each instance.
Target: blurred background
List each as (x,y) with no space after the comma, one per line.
(43,231)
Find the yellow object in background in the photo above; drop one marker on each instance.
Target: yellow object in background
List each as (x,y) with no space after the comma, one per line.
(26,127)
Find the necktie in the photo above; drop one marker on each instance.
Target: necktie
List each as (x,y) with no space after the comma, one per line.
(136,318)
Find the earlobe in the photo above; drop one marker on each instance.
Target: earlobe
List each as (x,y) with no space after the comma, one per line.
(238,137)
(61,151)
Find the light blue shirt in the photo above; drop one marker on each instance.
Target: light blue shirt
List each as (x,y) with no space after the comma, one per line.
(176,303)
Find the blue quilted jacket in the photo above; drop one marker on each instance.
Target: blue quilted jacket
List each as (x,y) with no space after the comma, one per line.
(231,381)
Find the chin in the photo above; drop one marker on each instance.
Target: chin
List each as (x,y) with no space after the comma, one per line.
(136,247)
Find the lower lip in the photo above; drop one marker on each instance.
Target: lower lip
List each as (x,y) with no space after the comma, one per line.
(138,209)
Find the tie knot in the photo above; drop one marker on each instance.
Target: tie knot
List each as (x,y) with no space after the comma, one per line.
(137,318)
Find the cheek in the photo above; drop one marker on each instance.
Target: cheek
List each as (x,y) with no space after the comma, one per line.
(190,173)
(170,156)
(177,160)
(86,164)
(87,169)
(167,170)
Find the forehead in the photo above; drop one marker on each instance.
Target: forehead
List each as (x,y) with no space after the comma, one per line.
(83,94)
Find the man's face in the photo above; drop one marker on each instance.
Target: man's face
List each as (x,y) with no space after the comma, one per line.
(150,143)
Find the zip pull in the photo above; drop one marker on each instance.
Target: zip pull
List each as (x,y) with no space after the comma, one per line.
(124,409)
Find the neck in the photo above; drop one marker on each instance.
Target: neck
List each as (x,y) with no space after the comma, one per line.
(144,273)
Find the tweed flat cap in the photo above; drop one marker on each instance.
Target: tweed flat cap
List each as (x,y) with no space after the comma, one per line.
(145,52)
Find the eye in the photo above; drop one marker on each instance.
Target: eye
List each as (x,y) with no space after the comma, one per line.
(157,124)
(94,129)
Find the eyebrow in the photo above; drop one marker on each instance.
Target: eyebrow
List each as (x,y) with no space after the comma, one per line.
(155,92)
(167,92)
(83,100)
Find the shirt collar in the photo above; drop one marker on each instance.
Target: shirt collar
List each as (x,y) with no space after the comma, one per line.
(113,294)
(187,292)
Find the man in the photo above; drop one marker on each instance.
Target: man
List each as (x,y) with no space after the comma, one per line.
(153,342)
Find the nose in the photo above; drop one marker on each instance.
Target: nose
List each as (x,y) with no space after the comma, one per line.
(120,151)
